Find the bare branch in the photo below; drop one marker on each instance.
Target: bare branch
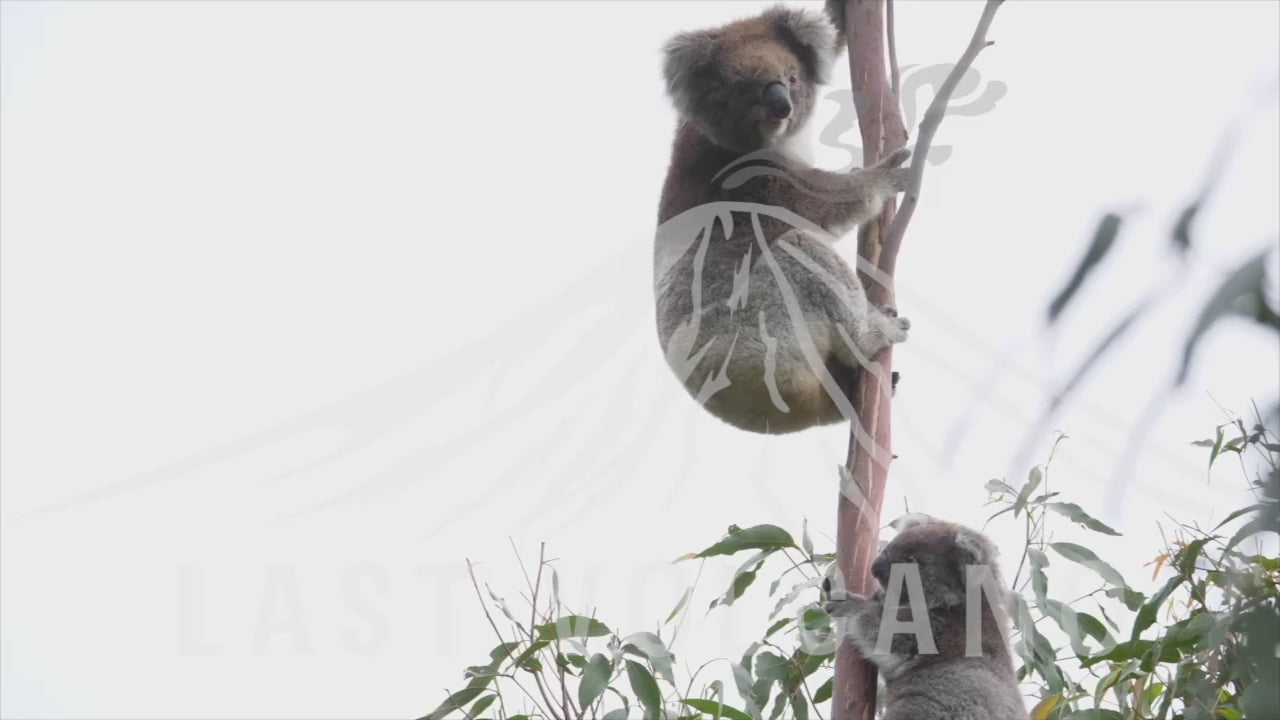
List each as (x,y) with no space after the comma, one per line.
(929,127)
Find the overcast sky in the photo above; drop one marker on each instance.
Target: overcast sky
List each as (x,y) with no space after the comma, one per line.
(304,303)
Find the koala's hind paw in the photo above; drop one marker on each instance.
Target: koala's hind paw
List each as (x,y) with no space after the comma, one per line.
(891,312)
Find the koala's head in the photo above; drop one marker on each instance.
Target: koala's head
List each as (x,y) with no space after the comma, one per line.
(750,83)
(941,550)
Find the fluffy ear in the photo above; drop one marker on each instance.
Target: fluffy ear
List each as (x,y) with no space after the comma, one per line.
(688,56)
(975,548)
(836,14)
(812,37)
(910,520)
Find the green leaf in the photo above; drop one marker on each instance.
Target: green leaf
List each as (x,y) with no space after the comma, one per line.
(805,541)
(1039,581)
(1046,706)
(1086,557)
(796,590)
(502,652)
(823,693)
(481,705)
(1067,619)
(1249,529)
(619,714)
(1093,627)
(1075,514)
(742,679)
(716,709)
(594,680)
(742,579)
(1216,448)
(760,537)
(1094,714)
(999,487)
(1033,481)
(1103,239)
(454,702)
(652,648)
(1243,292)
(1147,613)
(799,706)
(572,626)
(684,599)
(1240,512)
(1190,633)
(646,689)
(777,626)
(771,666)
(1132,599)
(1143,650)
(527,660)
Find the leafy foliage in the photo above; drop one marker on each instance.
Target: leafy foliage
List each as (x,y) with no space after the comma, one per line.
(1209,659)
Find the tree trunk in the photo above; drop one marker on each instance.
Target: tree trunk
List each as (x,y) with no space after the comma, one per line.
(863,485)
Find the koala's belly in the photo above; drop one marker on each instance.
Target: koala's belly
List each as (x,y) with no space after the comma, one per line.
(764,391)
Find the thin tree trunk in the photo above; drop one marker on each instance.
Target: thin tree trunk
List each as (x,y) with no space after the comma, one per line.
(858,514)
(866,471)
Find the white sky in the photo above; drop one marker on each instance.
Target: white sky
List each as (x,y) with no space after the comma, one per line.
(241,237)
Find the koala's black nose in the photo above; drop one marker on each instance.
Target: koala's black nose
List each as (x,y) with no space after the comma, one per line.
(777,101)
(880,569)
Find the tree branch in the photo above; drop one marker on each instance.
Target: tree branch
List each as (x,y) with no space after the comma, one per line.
(865,474)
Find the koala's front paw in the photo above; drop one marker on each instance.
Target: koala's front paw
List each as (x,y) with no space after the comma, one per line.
(845,604)
(897,178)
(895,158)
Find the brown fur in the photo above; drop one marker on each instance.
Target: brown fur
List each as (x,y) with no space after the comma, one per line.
(728,321)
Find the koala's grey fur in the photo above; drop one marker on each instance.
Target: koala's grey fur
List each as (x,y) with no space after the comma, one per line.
(947,685)
(760,318)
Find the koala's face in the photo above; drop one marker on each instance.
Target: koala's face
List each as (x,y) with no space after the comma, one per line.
(753,82)
(940,551)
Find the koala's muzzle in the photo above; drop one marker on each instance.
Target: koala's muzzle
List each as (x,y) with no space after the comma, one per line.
(777,101)
(880,569)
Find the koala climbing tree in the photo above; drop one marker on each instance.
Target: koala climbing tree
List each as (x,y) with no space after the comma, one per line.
(865,474)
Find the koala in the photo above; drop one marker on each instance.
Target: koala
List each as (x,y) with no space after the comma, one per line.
(948,684)
(758,316)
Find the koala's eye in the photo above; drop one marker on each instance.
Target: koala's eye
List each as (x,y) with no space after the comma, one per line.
(742,89)
(794,79)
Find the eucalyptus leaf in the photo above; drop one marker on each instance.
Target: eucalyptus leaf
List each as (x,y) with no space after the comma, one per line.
(1077,515)
(646,689)
(594,680)
(759,537)
(1086,557)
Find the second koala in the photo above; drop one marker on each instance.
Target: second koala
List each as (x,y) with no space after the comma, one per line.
(949,684)
(760,318)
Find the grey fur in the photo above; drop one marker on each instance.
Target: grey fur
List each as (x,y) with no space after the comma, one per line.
(760,318)
(947,685)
